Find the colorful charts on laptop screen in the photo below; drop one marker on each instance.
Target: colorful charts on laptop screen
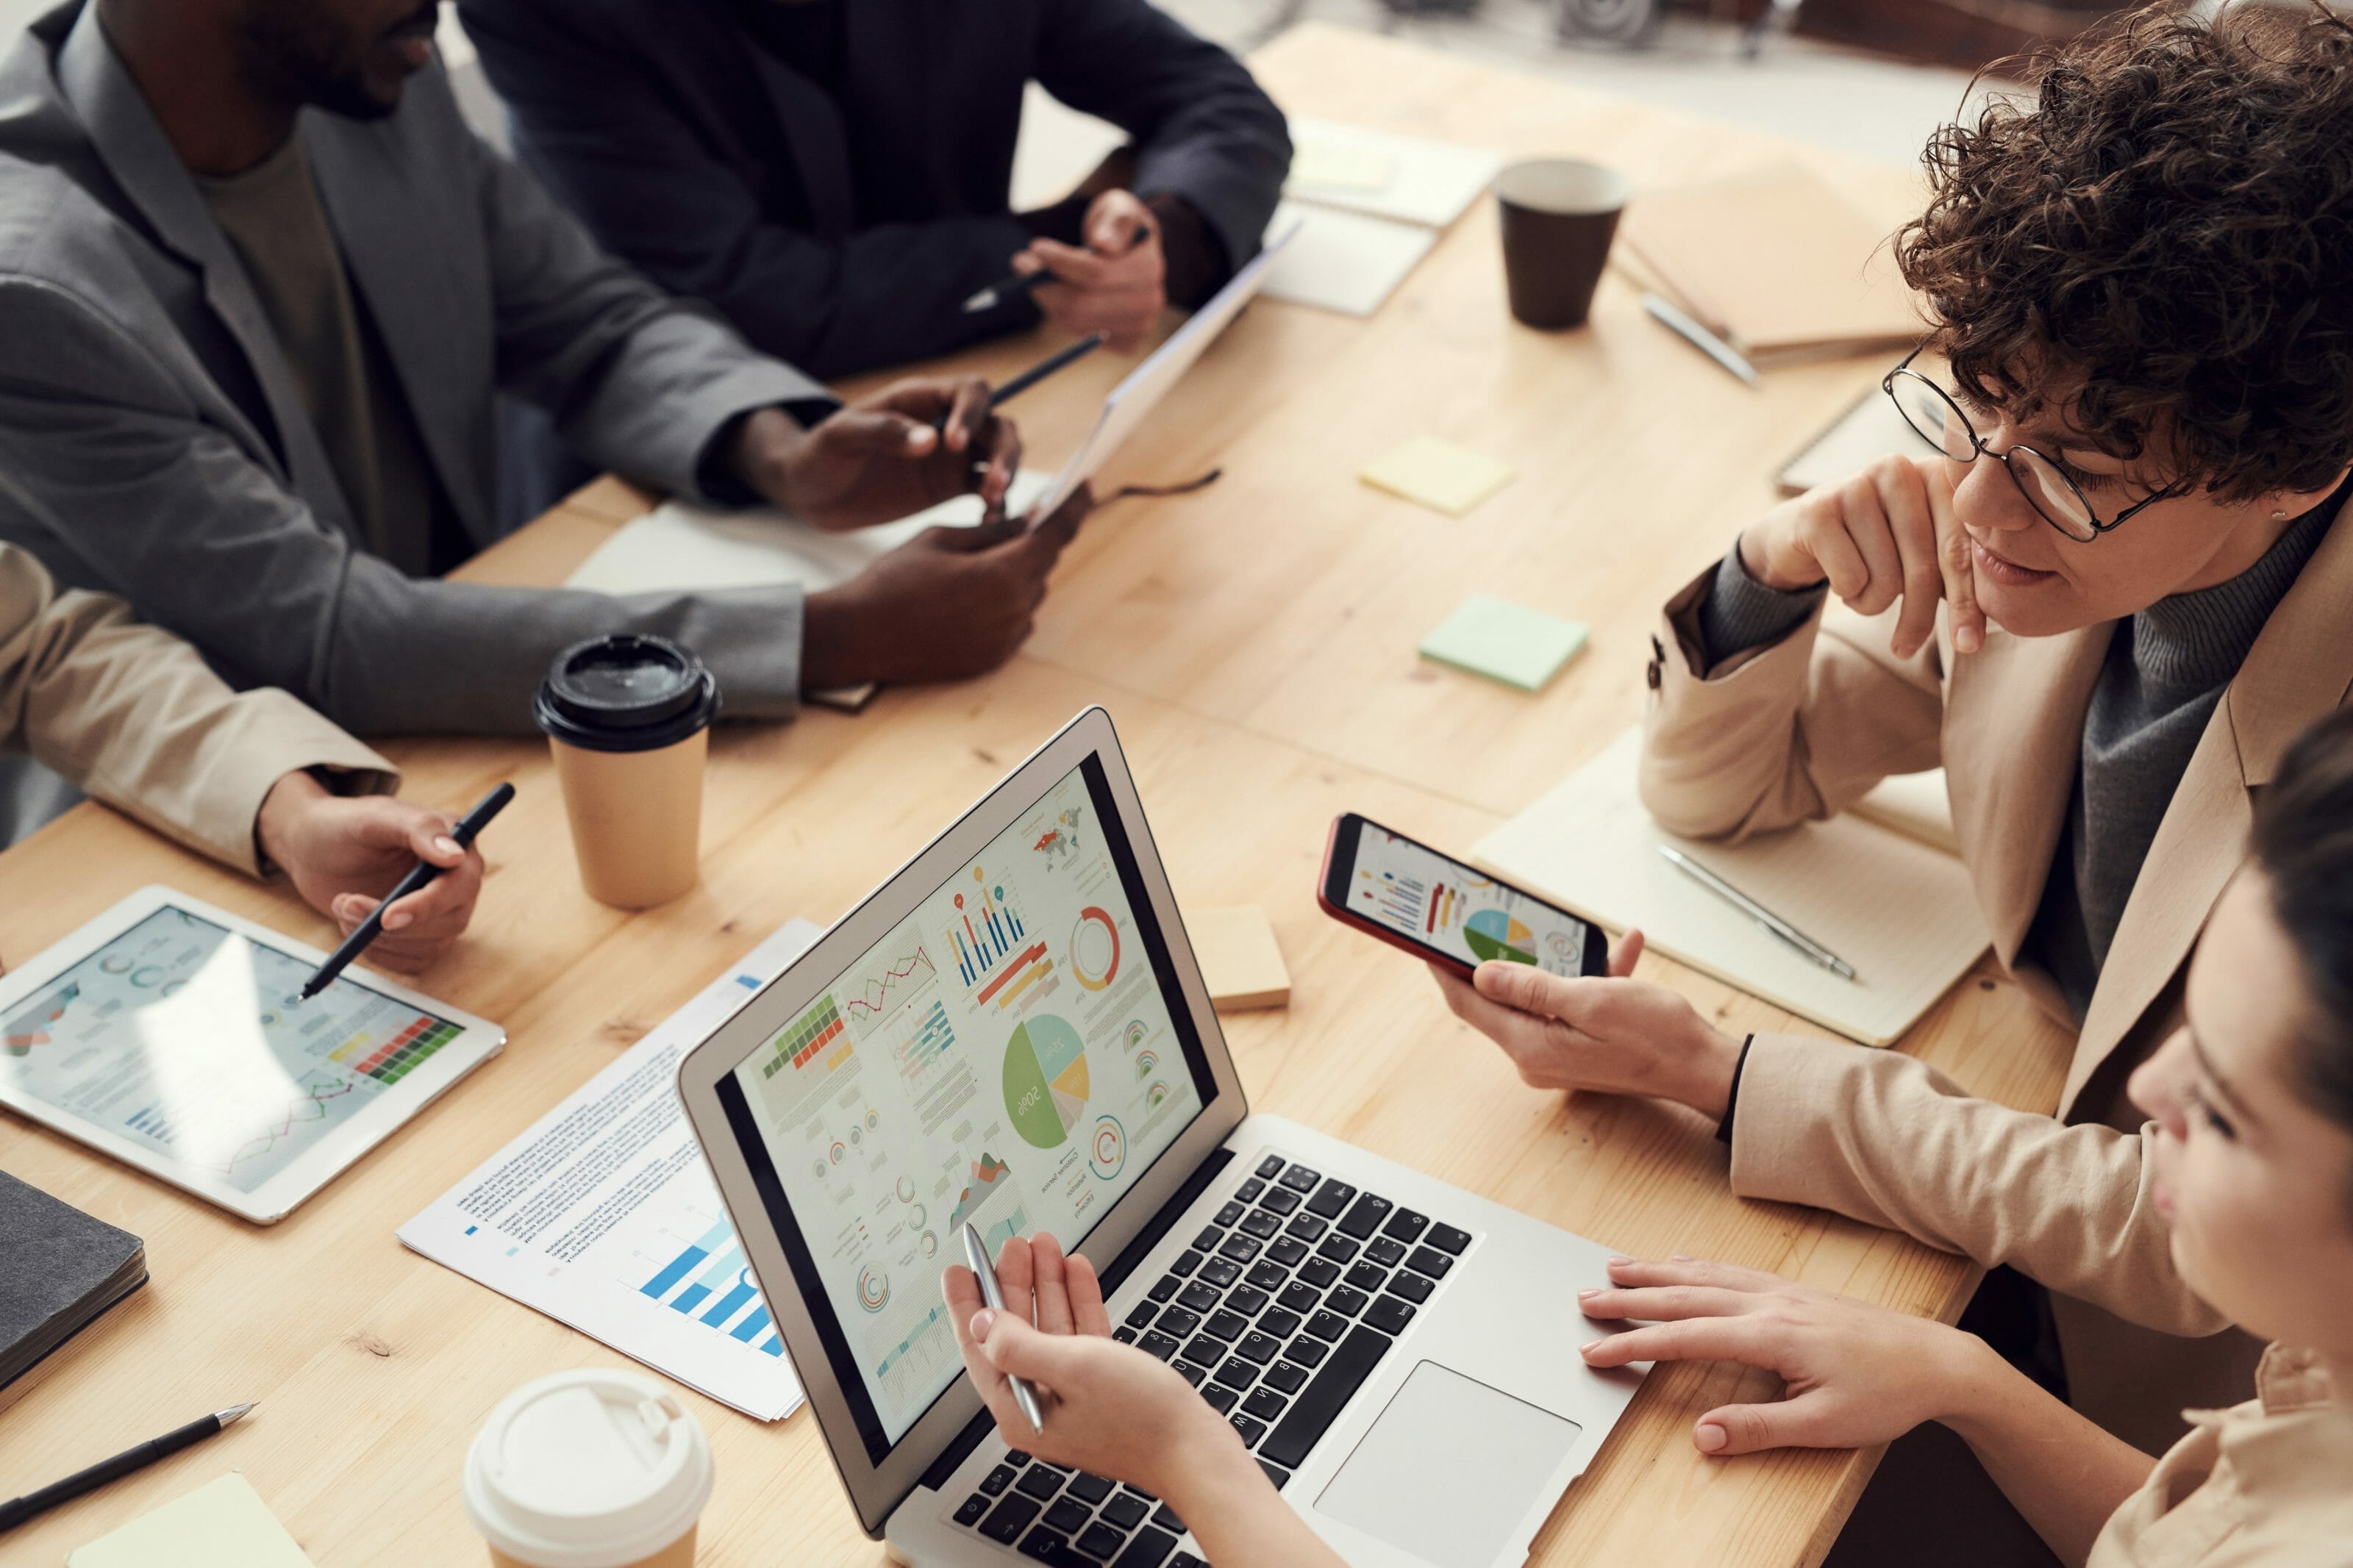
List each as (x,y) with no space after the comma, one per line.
(1003,1059)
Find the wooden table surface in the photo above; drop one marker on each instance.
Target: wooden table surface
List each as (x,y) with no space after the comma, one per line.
(1255,645)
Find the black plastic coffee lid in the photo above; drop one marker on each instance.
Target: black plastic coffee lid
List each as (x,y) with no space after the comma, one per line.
(626,693)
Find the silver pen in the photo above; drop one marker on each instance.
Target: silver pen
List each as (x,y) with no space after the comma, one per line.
(1773,924)
(993,1294)
(1664,311)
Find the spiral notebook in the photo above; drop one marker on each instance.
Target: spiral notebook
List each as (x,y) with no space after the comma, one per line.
(1874,886)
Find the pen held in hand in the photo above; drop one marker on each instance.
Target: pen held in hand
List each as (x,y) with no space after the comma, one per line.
(1017,285)
(992,1295)
(423,873)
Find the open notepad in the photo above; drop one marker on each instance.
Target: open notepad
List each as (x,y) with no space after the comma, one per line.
(1885,898)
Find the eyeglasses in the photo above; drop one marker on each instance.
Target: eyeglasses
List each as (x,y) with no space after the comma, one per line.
(1930,410)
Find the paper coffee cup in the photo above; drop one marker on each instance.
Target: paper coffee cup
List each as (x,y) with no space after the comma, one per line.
(1560,215)
(593,1468)
(628,721)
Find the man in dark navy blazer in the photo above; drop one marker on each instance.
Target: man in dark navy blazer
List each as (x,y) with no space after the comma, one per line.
(833,174)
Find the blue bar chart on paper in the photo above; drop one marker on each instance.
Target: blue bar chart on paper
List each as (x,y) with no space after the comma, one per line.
(708,1280)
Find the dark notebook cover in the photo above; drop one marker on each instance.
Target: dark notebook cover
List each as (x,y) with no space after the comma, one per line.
(59,1268)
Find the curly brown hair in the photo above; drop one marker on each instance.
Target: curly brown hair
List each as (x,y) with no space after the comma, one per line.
(2161,248)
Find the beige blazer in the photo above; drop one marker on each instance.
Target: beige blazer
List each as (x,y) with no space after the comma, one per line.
(134,717)
(1800,729)
(1890,1141)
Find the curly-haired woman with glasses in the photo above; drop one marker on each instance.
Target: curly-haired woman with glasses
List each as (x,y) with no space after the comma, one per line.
(2103,610)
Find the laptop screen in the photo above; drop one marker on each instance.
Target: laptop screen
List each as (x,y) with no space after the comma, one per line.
(1007,1056)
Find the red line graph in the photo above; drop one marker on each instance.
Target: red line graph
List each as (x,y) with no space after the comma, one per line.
(879,989)
(316,1105)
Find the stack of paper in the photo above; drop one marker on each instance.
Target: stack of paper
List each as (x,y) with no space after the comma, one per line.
(1901,914)
(1371,204)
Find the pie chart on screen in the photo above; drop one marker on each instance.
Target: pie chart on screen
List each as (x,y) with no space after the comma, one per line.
(1492,933)
(1046,1081)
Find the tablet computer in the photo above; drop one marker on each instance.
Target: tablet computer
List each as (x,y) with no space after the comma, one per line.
(172,1036)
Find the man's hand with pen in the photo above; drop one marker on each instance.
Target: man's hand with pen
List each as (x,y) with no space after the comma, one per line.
(344,853)
(1116,283)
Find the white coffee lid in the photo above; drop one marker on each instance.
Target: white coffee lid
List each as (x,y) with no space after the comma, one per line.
(591,1469)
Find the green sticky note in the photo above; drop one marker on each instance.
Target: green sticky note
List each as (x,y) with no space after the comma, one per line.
(223,1525)
(1438,474)
(1504,641)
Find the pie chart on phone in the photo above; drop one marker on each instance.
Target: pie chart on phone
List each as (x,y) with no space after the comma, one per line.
(1491,935)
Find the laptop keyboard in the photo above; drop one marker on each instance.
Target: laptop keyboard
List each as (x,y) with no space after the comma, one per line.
(1278,1311)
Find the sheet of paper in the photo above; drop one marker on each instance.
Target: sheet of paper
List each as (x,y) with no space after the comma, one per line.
(603,1216)
(1903,914)
(1915,805)
(222,1524)
(1438,474)
(1344,261)
(1504,641)
(1429,183)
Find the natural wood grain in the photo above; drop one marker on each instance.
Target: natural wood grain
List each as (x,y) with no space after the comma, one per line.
(1254,645)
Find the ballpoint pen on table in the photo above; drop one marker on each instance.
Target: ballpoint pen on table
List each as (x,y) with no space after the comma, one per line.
(1771,924)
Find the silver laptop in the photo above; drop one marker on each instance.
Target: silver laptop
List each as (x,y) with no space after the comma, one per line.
(1012,1031)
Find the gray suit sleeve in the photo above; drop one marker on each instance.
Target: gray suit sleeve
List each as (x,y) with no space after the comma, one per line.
(638,381)
(128,490)
(1739,613)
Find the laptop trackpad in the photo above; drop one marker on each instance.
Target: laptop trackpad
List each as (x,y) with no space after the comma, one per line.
(1450,1468)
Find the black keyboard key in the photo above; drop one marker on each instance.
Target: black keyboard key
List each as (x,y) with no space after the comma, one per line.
(1299,1298)
(1425,1261)
(1217,1271)
(1057,1469)
(1155,1342)
(1366,1276)
(1015,1457)
(1123,1334)
(1221,1398)
(1200,1296)
(1205,1350)
(1306,1227)
(1008,1518)
(1227,1215)
(1189,1372)
(1166,1289)
(1209,1239)
(1320,1403)
(1178,1323)
(1319,1273)
(1126,1511)
(1285,1376)
(1411,1286)
(1246,1299)
(1039,1481)
(1148,1549)
(1308,1351)
(1240,1248)
(1331,1198)
(1261,1224)
(1338,1249)
(1391,1315)
(1274,1473)
(1140,1315)
(1365,1217)
(1100,1541)
(1405,1225)
(971,1509)
(1250,1190)
(1068,1515)
(997,1480)
(1286,1252)
(1281,1200)
(1238,1373)
(1447,1239)
(1348,1301)
(1258,1348)
(1265,1276)
(1324,1326)
(1250,1426)
(1186,1261)
(1269,1167)
(1280,1323)
(1186,1560)
(1165,1518)
(1265,1404)
(1044,1545)
(1300,1179)
(1386,1253)
(1090,1489)
(1225,1325)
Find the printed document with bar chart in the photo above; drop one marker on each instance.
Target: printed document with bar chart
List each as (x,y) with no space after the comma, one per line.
(604,1217)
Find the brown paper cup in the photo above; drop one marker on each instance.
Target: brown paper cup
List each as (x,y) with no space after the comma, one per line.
(637,819)
(679,1553)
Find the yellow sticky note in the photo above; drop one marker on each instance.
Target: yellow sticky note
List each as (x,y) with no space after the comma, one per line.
(1439,475)
(223,1525)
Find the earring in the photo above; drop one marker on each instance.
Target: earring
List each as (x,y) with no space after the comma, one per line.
(2278,512)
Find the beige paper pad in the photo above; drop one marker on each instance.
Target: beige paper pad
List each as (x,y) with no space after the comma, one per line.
(1240,963)
(1439,475)
(224,1524)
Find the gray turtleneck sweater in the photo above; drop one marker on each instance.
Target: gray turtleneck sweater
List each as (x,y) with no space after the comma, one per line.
(2165,672)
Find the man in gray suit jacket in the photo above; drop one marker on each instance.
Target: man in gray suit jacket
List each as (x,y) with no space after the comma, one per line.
(258,286)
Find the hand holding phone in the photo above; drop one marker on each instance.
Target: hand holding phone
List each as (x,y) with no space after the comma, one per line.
(1439,909)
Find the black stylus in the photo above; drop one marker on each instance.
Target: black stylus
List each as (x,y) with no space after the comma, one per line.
(16,1512)
(1016,285)
(472,823)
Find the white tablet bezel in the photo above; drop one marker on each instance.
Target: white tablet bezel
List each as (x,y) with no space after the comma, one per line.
(478,1040)
(875,1488)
